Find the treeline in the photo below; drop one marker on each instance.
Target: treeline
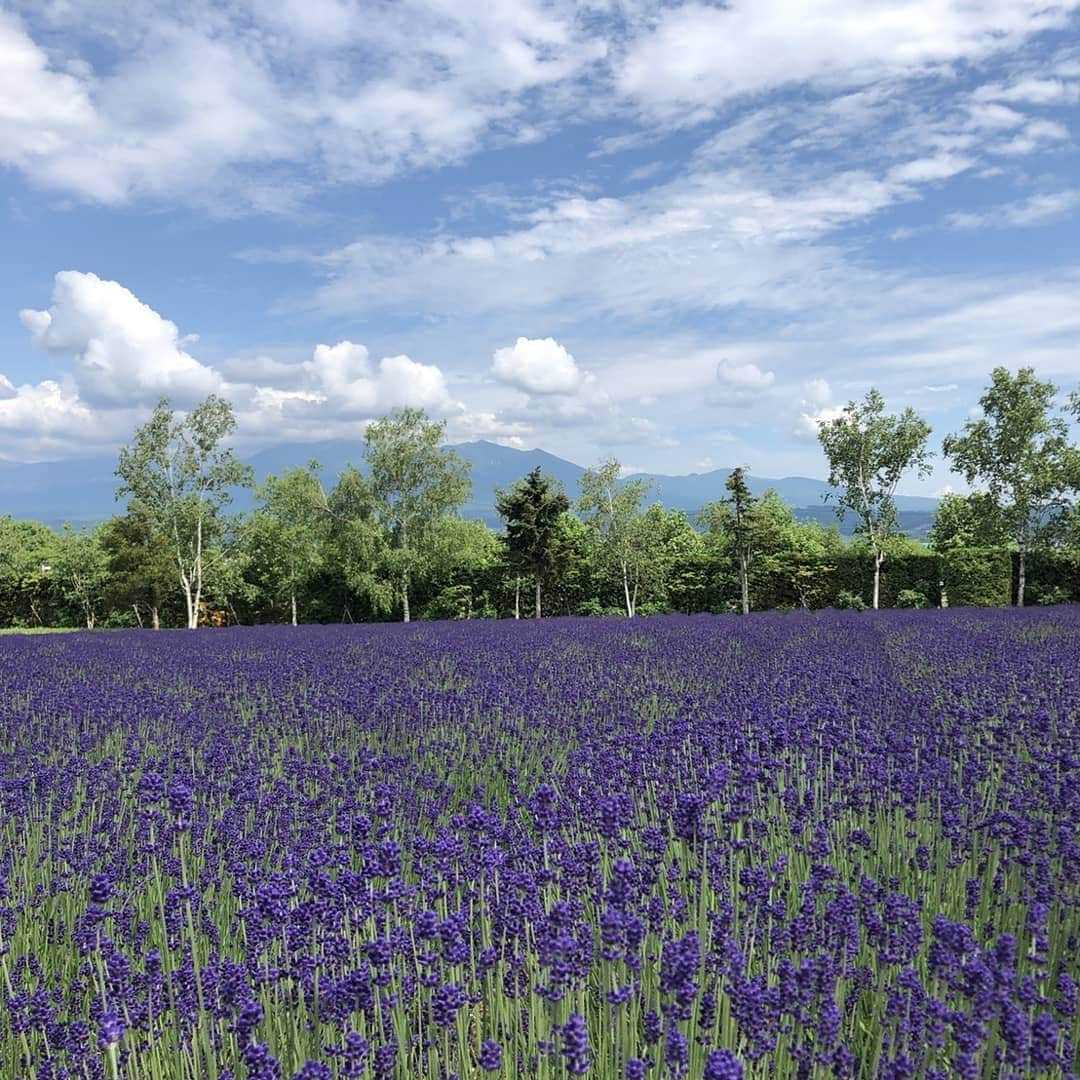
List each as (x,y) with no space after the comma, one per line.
(387,541)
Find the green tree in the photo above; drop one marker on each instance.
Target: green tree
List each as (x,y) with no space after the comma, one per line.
(460,569)
(27,582)
(677,578)
(735,515)
(141,569)
(531,510)
(613,509)
(81,565)
(288,528)
(1020,453)
(967,521)
(415,481)
(181,476)
(869,452)
(357,547)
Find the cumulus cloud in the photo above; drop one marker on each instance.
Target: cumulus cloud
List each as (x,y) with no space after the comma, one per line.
(42,110)
(47,419)
(345,379)
(538,366)
(123,351)
(737,384)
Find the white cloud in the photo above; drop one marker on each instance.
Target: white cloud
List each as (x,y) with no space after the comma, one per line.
(1032,91)
(345,380)
(927,170)
(263,100)
(42,110)
(538,366)
(45,420)
(1035,135)
(737,384)
(810,422)
(713,239)
(123,351)
(1034,210)
(698,56)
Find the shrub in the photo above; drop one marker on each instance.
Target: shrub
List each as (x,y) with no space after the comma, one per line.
(849,601)
(911,598)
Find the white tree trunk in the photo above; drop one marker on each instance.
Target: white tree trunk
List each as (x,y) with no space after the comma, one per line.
(626,591)
(744,583)
(1021,578)
(517,598)
(155,620)
(537,597)
(293,599)
(879,558)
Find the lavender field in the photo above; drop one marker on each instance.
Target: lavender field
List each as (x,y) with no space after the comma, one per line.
(784,846)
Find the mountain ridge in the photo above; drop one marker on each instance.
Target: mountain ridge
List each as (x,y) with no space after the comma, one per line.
(81,491)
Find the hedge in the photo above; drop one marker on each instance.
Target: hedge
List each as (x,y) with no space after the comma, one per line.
(977,577)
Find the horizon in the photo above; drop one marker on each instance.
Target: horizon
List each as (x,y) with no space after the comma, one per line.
(679,234)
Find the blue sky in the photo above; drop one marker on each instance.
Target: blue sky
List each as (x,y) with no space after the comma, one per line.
(677,232)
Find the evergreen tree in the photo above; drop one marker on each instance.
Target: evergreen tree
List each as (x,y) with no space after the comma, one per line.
(531,510)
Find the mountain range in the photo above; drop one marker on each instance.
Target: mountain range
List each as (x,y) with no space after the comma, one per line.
(81,491)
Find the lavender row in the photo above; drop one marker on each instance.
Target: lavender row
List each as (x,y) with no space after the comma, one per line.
(788,846)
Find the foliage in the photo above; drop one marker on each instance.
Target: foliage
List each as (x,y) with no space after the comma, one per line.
(285,534)
(415,481)
(911,598)
(531,510)
(81,566)
(613,509)
(141,570)
(1020,453)
(869,452)
(181,476)
(968,521)
(977,577)
(849,601)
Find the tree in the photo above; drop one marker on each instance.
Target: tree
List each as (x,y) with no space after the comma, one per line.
(27,582)
(357,545)
(288,525)
(414,482)
(460,568)
(181,476)
(81,565)
(742,510)
(613,510)
(141,569)
(1020,453)
(869,452)
(967,521)
(677,579)
(531,510)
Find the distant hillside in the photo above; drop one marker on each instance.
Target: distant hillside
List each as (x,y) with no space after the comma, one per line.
(82,491)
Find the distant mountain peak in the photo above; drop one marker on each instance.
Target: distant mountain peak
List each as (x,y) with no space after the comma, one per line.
(83,490)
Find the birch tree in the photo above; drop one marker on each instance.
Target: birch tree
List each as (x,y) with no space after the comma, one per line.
(415,480)
(614,510)
(869,452)
(181,476)
(1019,452)
(294,507)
